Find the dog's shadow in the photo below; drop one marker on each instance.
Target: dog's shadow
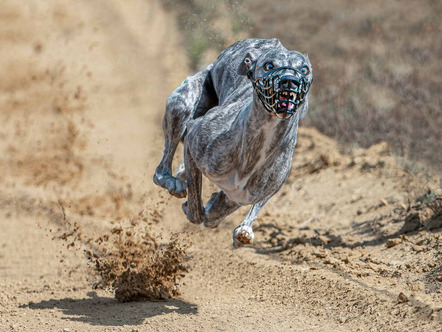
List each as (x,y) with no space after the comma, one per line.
(371,228)
(106,311)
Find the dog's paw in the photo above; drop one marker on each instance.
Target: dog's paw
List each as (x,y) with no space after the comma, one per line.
(243,235)
(159,178)
(198,219)
(176,187)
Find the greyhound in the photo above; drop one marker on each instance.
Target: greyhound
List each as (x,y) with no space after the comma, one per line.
(238,120)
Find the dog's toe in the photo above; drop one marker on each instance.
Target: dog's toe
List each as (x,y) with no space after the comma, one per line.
(194,218)
(243,235)
(244,238)
(180,188)
(177,187)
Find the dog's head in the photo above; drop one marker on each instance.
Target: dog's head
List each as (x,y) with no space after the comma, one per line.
(281,79)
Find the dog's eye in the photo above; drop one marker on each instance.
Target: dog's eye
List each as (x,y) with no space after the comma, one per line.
(268,66)
(304,70)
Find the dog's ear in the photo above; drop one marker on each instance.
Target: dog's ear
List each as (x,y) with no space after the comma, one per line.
(246,64)
(306,57)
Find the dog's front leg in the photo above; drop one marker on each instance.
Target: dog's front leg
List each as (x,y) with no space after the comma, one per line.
(243,234)
(193,207)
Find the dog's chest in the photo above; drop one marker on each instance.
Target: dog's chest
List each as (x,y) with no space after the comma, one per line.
(233,186)
(254,163)
(258,158)
(255,186)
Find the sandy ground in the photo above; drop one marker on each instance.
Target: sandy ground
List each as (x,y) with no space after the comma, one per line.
(340,247)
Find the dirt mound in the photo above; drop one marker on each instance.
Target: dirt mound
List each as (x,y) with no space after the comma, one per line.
(368,223)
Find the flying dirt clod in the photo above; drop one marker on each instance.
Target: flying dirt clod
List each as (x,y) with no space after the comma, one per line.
(130,261)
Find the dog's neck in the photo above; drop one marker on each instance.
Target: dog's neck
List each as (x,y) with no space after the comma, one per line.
(257,118)
(264,135)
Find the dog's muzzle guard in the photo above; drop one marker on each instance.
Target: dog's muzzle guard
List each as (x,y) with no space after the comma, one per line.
(281,90)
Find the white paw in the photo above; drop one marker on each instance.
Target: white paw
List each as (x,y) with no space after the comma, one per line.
(243,235)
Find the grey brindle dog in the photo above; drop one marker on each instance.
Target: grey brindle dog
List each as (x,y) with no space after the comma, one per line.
(239,120)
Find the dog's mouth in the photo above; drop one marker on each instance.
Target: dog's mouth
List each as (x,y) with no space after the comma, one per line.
(285,101)
(282,90)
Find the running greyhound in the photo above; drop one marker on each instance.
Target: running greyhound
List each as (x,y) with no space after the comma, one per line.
(239,121)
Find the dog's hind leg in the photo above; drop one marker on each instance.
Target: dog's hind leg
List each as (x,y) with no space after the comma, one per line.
(192,99)
(243,234)
(218,208)
(193,207)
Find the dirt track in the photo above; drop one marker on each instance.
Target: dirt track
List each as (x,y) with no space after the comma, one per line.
(81,102)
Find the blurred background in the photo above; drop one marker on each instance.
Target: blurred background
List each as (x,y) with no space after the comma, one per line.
(377,71)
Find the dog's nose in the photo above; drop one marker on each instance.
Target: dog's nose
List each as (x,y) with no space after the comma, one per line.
(289,84)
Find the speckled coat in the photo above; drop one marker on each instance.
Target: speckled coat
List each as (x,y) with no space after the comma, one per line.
(229,136)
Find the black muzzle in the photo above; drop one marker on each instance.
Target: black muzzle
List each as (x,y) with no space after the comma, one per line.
(281,90)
